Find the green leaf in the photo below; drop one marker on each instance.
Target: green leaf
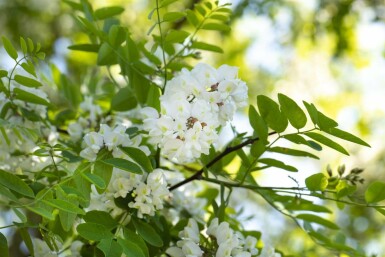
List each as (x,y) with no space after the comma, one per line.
(4,250)
(124,165)
(132,236)
(28,82)
(30,45)
(176,36)
(139,157)
(67,219)
(312,112)
(117,35)
(201,10)
(103,170)
(93,231)
(324,122)
(16,184)
(315,219)
(9,48)
(277,164)
(375,192)
(23,45)
(5,192)
(306,206)
(257,149)
(192,18)
(270,112)
(107,12)
(27,240)
(3,73)
(29,97)
(345,189)
(164,3)
(64,206)
(206,46)
(258,124)
(28,67)
(110,248)
(326,141)
(219,17)
(41,211)
(147,232)
(124,100)
(92,48)
(293,112)
(130,248)
(380,210)
(40,55)
(173,16)
(106,55)
(81,184)
(316,182)
(346,136)
(293,152)
(94,179)
(101,218)
(216,26)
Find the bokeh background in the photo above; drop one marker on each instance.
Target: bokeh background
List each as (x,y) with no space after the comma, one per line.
(329,52)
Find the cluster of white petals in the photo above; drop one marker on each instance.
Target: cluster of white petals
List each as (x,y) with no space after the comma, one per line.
(109,138)
(225,242)
(189,245)
(147,193)
(194,105)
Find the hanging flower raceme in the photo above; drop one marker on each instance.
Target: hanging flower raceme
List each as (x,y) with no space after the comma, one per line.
(146,193)
(222,241)
(194,105)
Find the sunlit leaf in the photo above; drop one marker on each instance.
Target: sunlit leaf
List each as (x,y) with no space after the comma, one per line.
(293,152)
(107,12)
(316,219)
(92,48)
(206,46)
(173,16)
(293,112)
(216,26)
(9,48)
(326,141)
(277,164)
(375,192)
(270,112)
(346,136)
(317,182)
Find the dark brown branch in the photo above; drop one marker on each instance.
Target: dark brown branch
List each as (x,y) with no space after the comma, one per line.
(228,150)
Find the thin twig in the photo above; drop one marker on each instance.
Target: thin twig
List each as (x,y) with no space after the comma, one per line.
(228,150)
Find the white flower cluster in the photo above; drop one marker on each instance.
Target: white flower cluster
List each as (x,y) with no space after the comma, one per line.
(228,242)
(93,113)
(148,192)
(111,139)
(194,105)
